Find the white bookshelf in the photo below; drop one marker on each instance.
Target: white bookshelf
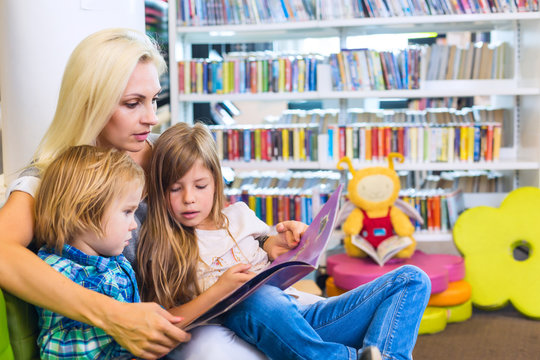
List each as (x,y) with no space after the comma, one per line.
(521,93)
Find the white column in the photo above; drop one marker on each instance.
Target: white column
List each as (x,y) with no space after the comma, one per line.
(36,39)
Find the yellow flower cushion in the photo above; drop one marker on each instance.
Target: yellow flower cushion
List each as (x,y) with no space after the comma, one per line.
(433,321)
(487,237)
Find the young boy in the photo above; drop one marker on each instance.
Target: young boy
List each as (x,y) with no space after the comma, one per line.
(84,217)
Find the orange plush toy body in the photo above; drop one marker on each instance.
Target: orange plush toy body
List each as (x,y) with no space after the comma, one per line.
(374,191)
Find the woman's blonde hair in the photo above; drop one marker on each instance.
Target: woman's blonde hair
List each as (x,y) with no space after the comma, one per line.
(168,253)
(76,190)
(94,80)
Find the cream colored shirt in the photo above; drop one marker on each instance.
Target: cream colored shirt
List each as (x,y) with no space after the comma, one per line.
(218,251)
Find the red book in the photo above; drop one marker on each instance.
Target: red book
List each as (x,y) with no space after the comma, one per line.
(264,144)
(430,211)
(297,208)
(342,144)
(387,141)
(286,208)
(437,213)
(375,143)
(489,143)
(230,145)
(253,76)
(236,147)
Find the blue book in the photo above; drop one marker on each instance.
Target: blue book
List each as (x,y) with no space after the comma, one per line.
(477,142)
(330,143)
(247,144)
(242,75)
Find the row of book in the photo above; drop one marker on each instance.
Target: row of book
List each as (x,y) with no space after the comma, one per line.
(476,61)
(363,142)
(249,73)
(221,12)
(472,181)
(439,209)
(431,116)
(365,69)
(279,196)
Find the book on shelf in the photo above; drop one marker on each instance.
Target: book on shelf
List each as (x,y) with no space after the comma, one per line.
(386,249)
(288,268)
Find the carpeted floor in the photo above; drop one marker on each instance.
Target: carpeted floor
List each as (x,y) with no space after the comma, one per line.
(502,334)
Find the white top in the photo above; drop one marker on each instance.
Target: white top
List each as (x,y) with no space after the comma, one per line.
(218,251)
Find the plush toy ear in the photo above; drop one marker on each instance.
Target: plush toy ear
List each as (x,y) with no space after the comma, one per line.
(391,157)
(347,160)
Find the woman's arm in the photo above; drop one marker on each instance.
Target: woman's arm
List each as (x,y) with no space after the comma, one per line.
(144,329)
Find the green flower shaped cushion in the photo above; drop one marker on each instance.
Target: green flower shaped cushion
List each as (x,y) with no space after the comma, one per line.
(487,237)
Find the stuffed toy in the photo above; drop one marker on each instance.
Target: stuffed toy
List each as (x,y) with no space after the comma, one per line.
(375,217)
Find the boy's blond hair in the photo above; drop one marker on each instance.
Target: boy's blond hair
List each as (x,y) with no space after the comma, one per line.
(77,188)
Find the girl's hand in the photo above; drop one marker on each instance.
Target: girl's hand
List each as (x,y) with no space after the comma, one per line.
(288,237)
(297,228)
(234,277)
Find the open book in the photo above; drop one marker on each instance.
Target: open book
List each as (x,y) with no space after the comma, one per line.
(386,249)
(289,267)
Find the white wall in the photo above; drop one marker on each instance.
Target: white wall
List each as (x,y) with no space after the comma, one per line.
(36,39)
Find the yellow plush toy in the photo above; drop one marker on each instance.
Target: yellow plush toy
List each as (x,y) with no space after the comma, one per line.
(375,218)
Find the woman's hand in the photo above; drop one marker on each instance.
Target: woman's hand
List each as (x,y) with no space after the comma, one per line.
(288,237)
(233,278)
(145,329)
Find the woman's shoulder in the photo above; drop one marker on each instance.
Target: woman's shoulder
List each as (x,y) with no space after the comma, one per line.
(27,181)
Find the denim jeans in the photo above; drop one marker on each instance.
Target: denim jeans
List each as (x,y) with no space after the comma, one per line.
(385,313)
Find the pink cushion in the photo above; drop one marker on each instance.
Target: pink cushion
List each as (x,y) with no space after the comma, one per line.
(349,273)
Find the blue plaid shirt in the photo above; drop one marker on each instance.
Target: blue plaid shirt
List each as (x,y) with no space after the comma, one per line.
(63,338)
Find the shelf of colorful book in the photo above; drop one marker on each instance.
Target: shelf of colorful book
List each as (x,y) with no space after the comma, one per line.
(340,27)
(442,88)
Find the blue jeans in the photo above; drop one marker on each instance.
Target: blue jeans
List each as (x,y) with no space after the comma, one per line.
(385,313)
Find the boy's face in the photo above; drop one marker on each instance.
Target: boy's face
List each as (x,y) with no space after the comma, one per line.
(118,221)
(191,198)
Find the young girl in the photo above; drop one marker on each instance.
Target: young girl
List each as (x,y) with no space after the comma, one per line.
(84,214)
(194,250)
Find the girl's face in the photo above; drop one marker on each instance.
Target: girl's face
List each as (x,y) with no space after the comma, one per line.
(118,222)
(192,197)
(135,115)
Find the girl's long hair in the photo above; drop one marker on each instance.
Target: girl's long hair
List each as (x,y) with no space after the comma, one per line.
(168,252)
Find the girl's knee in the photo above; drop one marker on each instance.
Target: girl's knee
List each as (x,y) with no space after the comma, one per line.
(415,274)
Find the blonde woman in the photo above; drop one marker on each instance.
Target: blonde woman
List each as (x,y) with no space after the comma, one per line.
(107,98)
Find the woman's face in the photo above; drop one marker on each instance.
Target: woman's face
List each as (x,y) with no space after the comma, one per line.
(135,115)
